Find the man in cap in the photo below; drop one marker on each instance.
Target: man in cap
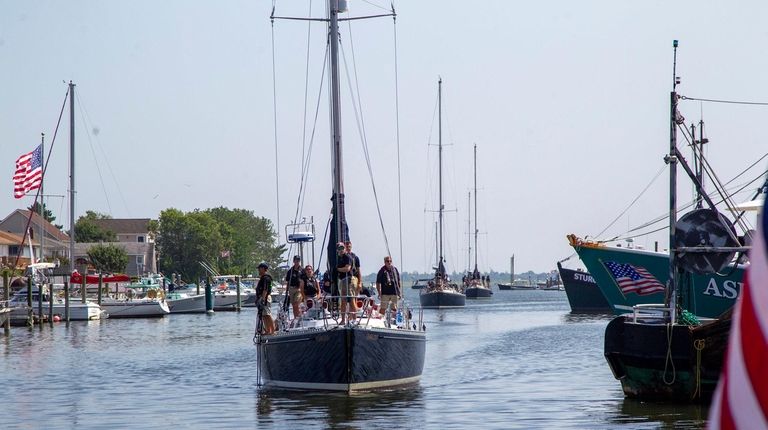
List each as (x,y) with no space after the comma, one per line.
(344,279)
(293,282)
(263,290)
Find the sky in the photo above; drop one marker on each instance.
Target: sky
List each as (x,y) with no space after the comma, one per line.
(568,103)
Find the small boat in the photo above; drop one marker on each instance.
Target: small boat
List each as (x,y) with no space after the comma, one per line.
(226,296)
(78,311)
(518,284)
(146,307)
(5,312)
(440,291)
(180,302)
(584,295)
(475,286)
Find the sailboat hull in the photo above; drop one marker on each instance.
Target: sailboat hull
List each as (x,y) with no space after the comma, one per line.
(638,356)
(478,293)
(442,299)
(342,359)
(584,295)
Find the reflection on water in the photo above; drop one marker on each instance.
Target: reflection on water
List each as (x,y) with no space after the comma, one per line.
(519,360)
(336,410)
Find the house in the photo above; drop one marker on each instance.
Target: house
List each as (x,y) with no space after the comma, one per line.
(12,249)
(55,241)
(134,237)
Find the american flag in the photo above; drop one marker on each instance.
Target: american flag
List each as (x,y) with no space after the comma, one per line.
(29,172)
(741,399)
(634,279)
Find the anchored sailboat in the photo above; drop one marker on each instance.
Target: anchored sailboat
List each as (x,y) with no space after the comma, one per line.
(363,350)
(440,292)
(475,286)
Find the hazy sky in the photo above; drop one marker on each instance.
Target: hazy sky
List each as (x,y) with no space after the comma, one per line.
(567,101)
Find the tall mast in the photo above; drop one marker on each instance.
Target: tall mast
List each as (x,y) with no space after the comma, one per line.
(40,207)
(475,207)
(72,177)
(672,160)
(469,227)
(338,184)
(440,167)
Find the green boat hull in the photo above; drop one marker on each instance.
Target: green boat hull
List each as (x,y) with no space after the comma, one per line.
(703,295)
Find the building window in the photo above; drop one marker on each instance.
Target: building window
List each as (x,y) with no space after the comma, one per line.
(141,239)
(139,259)
(13,250)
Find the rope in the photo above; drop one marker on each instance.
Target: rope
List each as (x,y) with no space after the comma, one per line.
(699,344)
(358,110)
(274,110)
(668,359)
(735,102)
(93,152)
(397,132)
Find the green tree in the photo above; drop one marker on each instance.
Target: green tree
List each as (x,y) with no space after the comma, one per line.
(233,241)
(47,213)
(108,258)
(86,230)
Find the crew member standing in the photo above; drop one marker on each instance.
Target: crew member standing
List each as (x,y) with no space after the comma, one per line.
(263,290)
(388,285)
(293,281)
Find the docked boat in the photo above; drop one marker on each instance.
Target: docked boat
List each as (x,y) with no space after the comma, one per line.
(147,307)
(516,284)
(180,302)
(5,312)
(440,292)
(666,351)
(318,350)
(226,296)
(475,286)
(584,295)
(78,311)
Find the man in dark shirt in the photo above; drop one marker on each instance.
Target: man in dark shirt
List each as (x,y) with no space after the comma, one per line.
(344,277)
(388,286)
(293,282)
(263,290)
(357,282)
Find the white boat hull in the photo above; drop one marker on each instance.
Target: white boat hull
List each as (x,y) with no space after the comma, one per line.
(77,311)
(191,304)
(135,308)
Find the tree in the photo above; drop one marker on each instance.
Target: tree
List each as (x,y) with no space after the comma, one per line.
(47,213)
(86,230)
(233,241)
(108,258)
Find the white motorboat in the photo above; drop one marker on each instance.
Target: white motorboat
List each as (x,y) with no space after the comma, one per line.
(147,307)
(180,302)
(78,311)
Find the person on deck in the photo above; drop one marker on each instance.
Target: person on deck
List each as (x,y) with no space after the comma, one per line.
(388,286)
(263,291)
(293,282)
(356,273)
(344,281)
(310,287)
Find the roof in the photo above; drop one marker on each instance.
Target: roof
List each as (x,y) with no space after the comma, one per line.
(124,225)
(7,238)
(37,221)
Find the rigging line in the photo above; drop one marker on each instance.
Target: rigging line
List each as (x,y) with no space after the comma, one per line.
(661,170)
(361,130)
(111,171)
(300,199)
(378,6)
(274,110)
(397,139)
(306,93)
(96,161)
(735,102)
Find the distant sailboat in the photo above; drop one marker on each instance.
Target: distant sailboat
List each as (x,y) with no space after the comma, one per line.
(440,292)
(475,286)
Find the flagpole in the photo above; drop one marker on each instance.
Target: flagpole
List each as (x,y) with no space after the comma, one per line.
(72,177)
(42,199)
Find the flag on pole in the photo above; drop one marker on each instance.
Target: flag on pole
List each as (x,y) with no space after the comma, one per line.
(741,398)
(634,279)
(29,172)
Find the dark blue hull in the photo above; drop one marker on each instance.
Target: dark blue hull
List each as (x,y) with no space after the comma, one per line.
(584,295)
(478,293)
(442,299)
(342,359)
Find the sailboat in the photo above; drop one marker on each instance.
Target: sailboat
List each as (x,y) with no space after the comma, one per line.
(363,352)
(516,284)
(475,287)
(662,351)
(440,292)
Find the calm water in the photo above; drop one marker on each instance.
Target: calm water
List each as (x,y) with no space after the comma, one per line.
(520,360)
